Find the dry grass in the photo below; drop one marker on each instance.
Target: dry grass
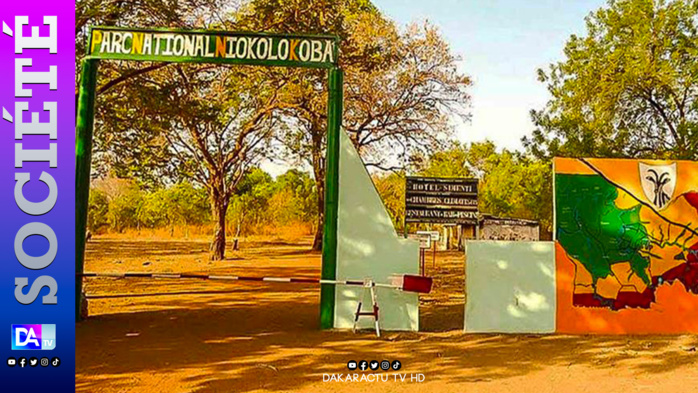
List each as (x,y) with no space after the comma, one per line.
(291,232)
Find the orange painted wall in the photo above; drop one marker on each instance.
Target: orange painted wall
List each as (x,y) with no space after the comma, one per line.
(675,309)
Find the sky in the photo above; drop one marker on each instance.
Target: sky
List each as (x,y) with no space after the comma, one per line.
(501,43)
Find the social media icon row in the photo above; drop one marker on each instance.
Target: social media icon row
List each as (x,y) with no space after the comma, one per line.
(33,362)
(374,365)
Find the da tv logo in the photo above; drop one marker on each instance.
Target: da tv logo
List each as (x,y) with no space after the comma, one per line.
(33,337)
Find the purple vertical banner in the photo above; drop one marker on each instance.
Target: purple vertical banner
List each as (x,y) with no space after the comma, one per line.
(37,196)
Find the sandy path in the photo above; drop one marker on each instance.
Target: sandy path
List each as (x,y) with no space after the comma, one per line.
(190,336)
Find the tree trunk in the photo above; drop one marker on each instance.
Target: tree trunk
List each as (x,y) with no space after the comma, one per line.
(219,207)
(319,173)
(317,242)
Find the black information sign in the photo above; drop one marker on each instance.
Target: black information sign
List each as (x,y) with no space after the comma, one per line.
(441,200)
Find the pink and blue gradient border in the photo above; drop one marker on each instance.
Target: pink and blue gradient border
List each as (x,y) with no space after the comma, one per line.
(61,218)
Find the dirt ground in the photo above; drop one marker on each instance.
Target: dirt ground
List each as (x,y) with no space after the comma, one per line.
(205,336)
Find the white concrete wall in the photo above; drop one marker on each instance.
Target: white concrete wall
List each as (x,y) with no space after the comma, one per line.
(510,287)
(368,246)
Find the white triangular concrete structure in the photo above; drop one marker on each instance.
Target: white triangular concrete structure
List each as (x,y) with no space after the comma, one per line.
(369,247)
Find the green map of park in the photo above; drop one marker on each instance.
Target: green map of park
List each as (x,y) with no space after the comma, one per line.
(598,234)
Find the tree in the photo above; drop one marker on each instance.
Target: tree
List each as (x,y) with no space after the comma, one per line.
(458,160)
(98,210)
(405,104)
(296,193)
(251,200)
(216,121)
(119,149)
(162,123)
(124,201)
(181,204)
(262,202)
(400,87)
(391,188)
(518,187)
(511,184)
(629,88)
(307,112)
(160,13)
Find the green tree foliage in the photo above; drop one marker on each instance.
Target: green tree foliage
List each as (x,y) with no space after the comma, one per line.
(181,204)
(400,86)
(211,123)
(118,137)
(265,202)
(260,203)
(511,185)
(628,88)
(98,209)
(249,204)
(118,204)
(459,160)
(515,186)
(138,13)
(391,188)
(296,194)
(165,122)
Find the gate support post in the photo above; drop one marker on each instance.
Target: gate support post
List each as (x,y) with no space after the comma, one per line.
(329,235)
(84,124)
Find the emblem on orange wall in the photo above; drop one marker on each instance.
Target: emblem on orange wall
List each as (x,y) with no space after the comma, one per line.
(658,183)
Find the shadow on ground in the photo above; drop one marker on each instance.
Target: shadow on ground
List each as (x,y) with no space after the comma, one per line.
(264,336)
(276,345)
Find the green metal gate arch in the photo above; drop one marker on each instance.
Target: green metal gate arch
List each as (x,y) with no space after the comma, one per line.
(222,47)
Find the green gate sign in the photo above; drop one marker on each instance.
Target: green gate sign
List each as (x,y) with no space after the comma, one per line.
(213,47)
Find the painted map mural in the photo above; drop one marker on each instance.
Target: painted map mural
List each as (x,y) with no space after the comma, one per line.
(626,242)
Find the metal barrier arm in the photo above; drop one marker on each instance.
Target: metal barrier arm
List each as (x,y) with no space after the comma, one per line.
(407,283)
